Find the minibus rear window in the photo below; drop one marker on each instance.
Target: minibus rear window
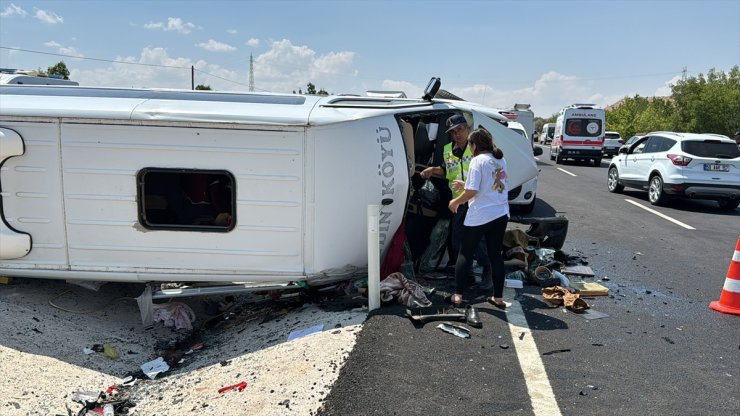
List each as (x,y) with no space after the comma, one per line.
(583,127)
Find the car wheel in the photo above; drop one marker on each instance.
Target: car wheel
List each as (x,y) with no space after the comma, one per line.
(655,192)
(597,162)
(612,181)
(728,204)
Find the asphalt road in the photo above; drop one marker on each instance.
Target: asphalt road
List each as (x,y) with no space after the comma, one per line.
(659,351)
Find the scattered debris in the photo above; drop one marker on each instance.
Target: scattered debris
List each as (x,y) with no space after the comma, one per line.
(298,333)
(556,351)
(154,367)
(588,387)
(239,386)
(578,270)
(174,314)
(557,295)
(406,291)
(455,330)
(592,314)
(590,289)
(435,313)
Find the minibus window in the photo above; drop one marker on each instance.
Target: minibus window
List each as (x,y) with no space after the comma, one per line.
(186,200)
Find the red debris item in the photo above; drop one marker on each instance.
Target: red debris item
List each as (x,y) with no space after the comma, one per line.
(239,386)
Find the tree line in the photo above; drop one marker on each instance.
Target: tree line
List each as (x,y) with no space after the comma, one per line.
(702,104)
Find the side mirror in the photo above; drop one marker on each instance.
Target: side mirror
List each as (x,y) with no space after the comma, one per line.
(537,150)
(623,150)
(431,89)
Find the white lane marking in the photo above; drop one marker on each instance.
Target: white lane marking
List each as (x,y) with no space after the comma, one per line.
(538,385)
(563,170)
(677,222)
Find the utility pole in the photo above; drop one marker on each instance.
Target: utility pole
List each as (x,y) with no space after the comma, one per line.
(192,77)
(251,73)
(683,77)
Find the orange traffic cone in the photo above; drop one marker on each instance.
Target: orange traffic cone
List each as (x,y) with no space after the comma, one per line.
(729,300)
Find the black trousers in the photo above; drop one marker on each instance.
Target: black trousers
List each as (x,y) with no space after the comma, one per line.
(493,232)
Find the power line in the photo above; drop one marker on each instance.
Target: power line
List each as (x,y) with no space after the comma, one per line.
(127,63)
(91,59)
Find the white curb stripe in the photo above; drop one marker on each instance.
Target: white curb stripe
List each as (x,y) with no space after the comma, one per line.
(563,170)
(538,385)
(686,226)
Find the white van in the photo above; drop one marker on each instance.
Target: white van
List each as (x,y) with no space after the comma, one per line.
(525,117)
(199,186)
(548,133)
(579,134)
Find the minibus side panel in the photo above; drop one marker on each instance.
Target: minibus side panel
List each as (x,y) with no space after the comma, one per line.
(101,163)
(32,195)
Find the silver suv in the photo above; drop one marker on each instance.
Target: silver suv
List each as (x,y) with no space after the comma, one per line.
(688,165)
(612,142)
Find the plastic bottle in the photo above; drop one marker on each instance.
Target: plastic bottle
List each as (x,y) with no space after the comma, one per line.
(108,410)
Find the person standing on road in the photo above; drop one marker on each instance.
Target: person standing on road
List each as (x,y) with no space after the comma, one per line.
(487,191)
(457,156)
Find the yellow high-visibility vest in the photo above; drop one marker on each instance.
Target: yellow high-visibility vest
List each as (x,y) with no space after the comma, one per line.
(456,168)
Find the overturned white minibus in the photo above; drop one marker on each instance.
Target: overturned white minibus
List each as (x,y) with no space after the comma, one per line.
(142,185)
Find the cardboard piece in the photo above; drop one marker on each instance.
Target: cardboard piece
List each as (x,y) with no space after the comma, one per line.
(584,271)
(589,289)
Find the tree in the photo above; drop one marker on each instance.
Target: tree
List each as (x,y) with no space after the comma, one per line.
(709,104)
(311,90)
(701,104)
(59,69)
(203,87)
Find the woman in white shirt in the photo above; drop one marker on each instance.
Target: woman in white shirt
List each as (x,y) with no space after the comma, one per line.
(487,190)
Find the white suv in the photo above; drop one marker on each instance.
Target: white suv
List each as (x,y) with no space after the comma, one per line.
(688,165)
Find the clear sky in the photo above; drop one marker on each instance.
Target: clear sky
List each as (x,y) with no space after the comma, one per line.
(545,53)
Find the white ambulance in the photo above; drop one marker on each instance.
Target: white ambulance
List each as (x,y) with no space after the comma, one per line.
(579,134)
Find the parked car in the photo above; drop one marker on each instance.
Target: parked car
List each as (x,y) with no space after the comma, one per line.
(612,142)
(632,140)
(687,165)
